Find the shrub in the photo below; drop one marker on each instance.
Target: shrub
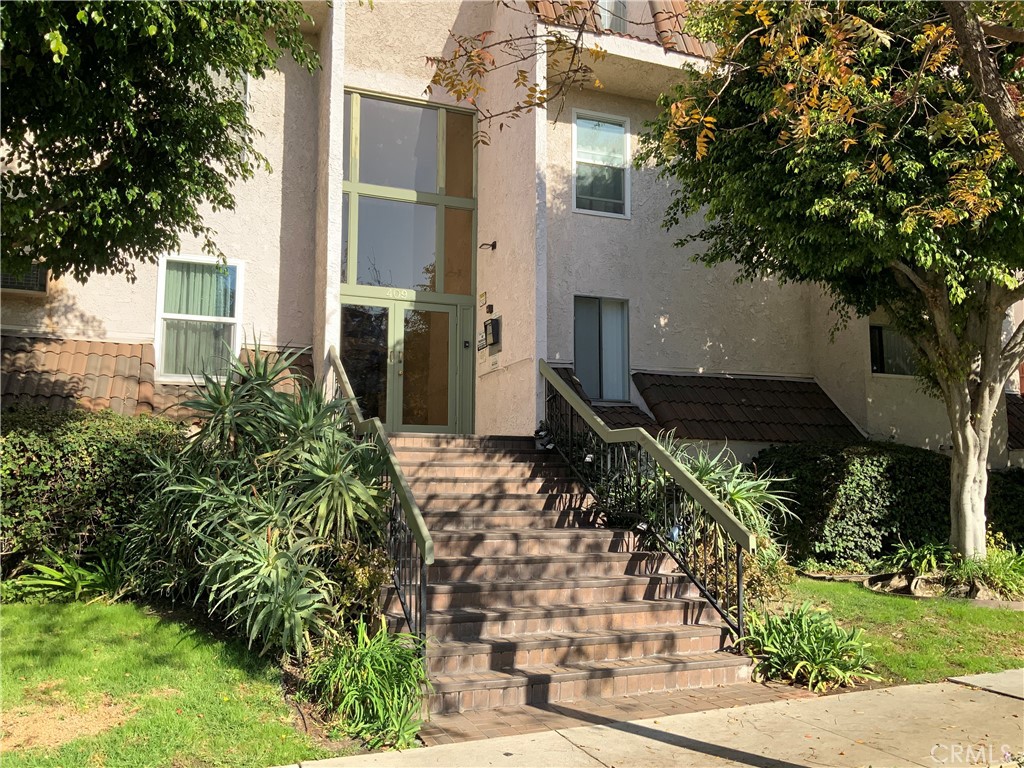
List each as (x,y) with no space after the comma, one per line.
(807,646)
(69,480)
(918,560)
(857,501)
(100,578)
(374,684)
(261,515)
(1001,570)
(760,504)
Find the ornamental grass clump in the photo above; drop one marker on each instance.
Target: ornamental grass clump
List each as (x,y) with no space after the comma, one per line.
(372,684)
(806,646)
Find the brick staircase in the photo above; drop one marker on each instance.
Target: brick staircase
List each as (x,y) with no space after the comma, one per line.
(530,602)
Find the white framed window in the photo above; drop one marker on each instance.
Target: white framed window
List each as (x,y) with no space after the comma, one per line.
(199,316)
(600,164)
(891,353)
(601,341)
(612,15)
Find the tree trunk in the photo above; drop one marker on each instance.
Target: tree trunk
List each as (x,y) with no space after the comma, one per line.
(972,436)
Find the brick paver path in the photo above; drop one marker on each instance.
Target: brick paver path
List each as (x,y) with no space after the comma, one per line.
(509,721)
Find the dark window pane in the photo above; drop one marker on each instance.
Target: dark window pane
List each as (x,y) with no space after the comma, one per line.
(396,244)
(600,188)
(364,353)
(587,353)
(458,251)
(459,155)
(397,145)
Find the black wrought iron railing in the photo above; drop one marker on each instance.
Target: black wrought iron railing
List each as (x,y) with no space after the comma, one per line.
(640,486)
(410,546)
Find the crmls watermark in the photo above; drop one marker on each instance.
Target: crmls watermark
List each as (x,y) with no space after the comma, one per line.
(971,754)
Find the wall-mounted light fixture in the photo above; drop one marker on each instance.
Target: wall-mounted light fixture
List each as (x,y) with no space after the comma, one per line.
(492,331)
(491,246)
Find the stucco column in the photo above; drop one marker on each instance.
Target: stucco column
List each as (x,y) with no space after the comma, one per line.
(329,178)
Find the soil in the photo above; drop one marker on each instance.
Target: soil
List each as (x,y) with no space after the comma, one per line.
(308,718)
(49,722)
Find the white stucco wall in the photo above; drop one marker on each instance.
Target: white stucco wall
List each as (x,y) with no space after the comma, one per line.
(271,231)
(683,316)
(512,212)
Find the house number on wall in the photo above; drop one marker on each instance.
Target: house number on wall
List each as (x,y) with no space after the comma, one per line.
(399,293)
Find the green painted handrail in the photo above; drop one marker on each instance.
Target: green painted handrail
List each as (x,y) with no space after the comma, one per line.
(374,428)
(712,506)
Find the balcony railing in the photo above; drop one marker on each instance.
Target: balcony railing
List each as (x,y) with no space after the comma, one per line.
(639,485)
(409,544)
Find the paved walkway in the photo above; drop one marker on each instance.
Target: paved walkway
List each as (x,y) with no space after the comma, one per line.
(944,724)
(513,721)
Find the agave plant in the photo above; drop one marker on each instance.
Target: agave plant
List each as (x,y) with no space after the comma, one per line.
(251,518)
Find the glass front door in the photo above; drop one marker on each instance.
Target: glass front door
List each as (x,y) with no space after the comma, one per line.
(403,361)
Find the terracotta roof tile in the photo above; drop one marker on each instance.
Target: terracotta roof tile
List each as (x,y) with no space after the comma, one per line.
(666,30)
(1015,421)
(720,407)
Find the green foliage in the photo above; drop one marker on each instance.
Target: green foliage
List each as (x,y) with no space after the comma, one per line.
(839,190)
(759,503)
(265,513)
(122,121)
(1001,570)
(918,560)
(857,500)
(807,646)
(102,578)
(841,144)
(69,481)
(374,683)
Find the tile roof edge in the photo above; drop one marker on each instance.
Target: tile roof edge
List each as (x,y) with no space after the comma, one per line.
(667,48)
(739,376)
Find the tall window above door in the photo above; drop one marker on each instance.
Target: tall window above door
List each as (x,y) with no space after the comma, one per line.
(409,199)
(601,356)
(600,164)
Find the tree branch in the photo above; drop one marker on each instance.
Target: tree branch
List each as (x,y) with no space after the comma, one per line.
(1010,34)
(984,71)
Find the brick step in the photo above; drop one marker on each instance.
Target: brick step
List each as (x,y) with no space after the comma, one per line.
(544,592)
(478,442)
(567,566)
(472,467)
(514,651)
(494,486)
(509,543)
(477,623)
(544,683)
(420,454)
(520,501)
(501,519)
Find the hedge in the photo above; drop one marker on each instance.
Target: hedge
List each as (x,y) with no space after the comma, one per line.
(69,479)
(855,502)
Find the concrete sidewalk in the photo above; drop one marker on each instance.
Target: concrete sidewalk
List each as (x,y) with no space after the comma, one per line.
(944,724)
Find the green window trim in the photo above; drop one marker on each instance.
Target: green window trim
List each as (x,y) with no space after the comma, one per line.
(354,189)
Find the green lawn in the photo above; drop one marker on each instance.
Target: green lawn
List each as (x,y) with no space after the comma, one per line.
(149,690)
(921,641)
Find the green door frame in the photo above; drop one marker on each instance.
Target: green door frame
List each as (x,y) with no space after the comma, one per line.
(460,360)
